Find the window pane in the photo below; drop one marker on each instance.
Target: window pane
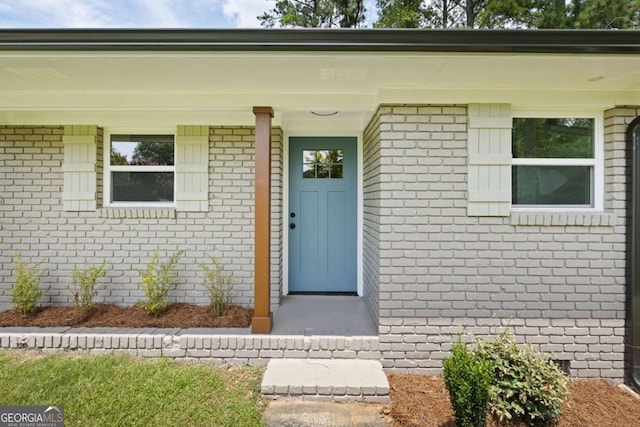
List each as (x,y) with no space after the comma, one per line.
(335,156)
(308,170)
(142,186)
(156,150)
(323,156)
(560,138)
(336,171)
(322,170)
(309,156)
(322,163)
(552,185)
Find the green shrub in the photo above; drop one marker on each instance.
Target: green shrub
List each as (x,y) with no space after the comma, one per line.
(84,286)
(217,285)
(157,280)
(526,385)
(26,290)
(468,378)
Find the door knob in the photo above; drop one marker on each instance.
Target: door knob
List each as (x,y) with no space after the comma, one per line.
(292,214)
(292,226)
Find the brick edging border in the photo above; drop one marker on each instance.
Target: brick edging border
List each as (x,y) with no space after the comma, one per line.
(222,348)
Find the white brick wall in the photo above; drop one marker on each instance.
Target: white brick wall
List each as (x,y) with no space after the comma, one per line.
(439,268)
(430,271)
(371,246)
(34,224)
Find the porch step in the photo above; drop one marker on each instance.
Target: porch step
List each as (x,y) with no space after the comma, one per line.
(326,380)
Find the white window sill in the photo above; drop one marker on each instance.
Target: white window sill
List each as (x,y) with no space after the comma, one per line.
(563,218)
(137,213)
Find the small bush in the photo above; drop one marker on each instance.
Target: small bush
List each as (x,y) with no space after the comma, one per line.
(157,280)
(217,285)
(468,378)
(84,286)
(526,385)
(26,290)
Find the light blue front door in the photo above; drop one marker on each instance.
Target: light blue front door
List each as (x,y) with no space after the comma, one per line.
(322,214)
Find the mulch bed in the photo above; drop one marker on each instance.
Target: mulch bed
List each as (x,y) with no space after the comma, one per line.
(416,400)
(424,401)
(109,315)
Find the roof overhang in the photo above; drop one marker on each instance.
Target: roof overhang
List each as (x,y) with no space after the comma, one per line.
(205,76)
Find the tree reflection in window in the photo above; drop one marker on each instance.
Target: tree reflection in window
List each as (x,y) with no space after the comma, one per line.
(142,168)
(555,161)
(556,138)
(142,150)
(319,164)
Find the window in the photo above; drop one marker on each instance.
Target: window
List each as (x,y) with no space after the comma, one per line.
(318,164)
(556,162)
(141,169)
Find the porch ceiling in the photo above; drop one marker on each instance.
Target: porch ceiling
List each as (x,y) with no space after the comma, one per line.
(296,83)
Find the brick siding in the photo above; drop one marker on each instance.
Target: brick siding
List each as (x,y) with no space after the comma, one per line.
(226,348)
(430,271)
(33,223)
(371,217)
(560,286)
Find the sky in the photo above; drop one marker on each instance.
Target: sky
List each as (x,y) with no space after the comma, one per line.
(137,13)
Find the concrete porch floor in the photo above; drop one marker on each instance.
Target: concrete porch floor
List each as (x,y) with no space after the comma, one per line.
(323,315)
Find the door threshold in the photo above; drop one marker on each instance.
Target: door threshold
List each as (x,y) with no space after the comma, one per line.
(340,294)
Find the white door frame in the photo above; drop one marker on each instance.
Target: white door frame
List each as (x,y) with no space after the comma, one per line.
(285,199)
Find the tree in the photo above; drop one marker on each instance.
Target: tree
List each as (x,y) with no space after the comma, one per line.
(621,14)
(508,13)
(592,14)
(420,13)
(314,14)
(445,13)
(470,9)
(400,14)
(153,153)
(457,13)
(351,11)
(118,158)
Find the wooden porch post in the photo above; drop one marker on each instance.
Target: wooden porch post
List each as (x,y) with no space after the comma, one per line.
(261,322)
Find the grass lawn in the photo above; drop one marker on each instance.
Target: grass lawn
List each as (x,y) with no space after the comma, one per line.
(118,390)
